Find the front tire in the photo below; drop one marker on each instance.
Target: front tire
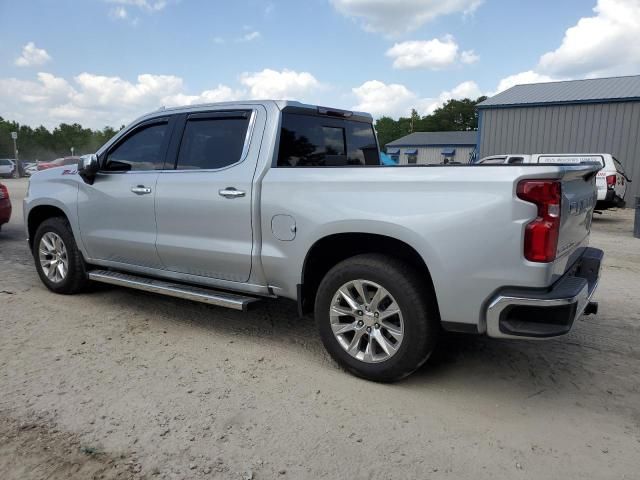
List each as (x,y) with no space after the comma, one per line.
(59,263)
(377,317)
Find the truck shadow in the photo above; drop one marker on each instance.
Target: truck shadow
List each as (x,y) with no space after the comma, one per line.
(496,370)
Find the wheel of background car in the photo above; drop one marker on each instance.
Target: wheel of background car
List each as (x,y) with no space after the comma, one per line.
(376,317)
(59,263)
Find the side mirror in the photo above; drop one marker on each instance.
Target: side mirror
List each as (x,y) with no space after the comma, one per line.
(88,167)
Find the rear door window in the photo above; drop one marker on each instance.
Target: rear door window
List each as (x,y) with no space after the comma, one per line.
(318,141)
(213,141)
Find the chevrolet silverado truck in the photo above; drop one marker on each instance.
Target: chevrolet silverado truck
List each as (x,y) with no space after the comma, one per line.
(231,203)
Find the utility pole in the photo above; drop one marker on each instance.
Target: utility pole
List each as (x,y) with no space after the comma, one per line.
(14,136)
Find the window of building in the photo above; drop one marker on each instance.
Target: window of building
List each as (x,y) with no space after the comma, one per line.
(211,143)
(412,156)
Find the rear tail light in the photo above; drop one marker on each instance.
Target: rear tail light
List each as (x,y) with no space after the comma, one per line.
(611,181)
(4,193)
(541,234)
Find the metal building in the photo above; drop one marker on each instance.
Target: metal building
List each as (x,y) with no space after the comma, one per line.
(433,147)
(581,116)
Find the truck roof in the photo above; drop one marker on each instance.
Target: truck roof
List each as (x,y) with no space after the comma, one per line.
(281,104)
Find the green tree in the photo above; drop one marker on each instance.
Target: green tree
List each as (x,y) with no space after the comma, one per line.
(454,115)
(41,144)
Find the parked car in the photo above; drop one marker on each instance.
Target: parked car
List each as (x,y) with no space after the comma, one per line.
(229,203)
(611,179)
(58,162)
(30,169)
(7,167)
(5,205)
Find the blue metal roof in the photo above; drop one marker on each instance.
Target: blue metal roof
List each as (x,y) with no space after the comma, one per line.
(595,90)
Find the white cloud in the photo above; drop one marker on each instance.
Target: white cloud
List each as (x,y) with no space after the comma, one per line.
(605,44)
(468,89)
(469,56)
(222,93)
(250,36)
(434,54)
(521,78)
(98,100)
(379,98)
(32,56)
(396,100)
(401,16)
(286,84)
(119,13)
(146,5)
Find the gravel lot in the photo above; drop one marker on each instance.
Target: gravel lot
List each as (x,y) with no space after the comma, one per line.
(116,383)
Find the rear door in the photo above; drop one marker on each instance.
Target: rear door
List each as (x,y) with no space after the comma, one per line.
(204,205)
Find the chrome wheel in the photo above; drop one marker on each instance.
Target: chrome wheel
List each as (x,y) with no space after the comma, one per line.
(53,257)
(366,321)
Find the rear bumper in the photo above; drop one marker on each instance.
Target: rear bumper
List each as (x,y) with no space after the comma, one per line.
(534,314)
(610,200)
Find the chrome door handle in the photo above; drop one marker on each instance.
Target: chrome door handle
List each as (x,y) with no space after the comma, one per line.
(231,192)
(141,190)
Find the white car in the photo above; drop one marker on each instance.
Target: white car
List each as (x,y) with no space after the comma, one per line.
(611,179)
(7,167)
(30,169)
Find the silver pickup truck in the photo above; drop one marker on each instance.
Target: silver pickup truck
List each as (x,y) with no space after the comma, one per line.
(231,203)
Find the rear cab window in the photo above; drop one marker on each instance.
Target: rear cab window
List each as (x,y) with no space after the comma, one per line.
(308,140)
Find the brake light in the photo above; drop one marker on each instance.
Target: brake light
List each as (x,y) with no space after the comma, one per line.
(4,193)
(611,181)
(541,234)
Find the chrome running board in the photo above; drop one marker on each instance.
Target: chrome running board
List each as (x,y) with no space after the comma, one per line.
(178,290)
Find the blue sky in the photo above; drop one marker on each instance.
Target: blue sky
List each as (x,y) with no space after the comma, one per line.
(102,62)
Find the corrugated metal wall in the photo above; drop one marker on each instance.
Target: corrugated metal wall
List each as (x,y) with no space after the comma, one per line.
(583,128)
(433,155)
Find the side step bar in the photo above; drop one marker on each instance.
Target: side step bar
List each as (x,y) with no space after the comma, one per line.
(178,290)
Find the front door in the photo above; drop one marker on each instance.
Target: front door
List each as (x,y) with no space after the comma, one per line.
(117,212)
(203,207)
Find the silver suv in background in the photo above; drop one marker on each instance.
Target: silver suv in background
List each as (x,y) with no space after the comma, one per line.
(235,202)
(7,167)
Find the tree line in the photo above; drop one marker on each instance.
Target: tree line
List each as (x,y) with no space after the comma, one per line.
(454,115)
(43,144)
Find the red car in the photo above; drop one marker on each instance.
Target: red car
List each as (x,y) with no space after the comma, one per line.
(58,162)
(5,205)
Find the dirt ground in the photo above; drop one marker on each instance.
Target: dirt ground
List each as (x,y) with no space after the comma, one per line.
(115,383)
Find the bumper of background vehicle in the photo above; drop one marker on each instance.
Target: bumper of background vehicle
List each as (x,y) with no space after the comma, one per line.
(533,314)
(610,200)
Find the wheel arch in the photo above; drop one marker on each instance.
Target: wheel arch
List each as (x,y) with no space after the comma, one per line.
(326,252)
(39,214)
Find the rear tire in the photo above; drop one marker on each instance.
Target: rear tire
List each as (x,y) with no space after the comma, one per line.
(58,260)
(354,312)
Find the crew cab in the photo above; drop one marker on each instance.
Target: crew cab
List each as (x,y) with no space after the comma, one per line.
(235,202)
(611,180)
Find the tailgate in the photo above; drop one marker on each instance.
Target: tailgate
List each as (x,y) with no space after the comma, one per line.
(579,197)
